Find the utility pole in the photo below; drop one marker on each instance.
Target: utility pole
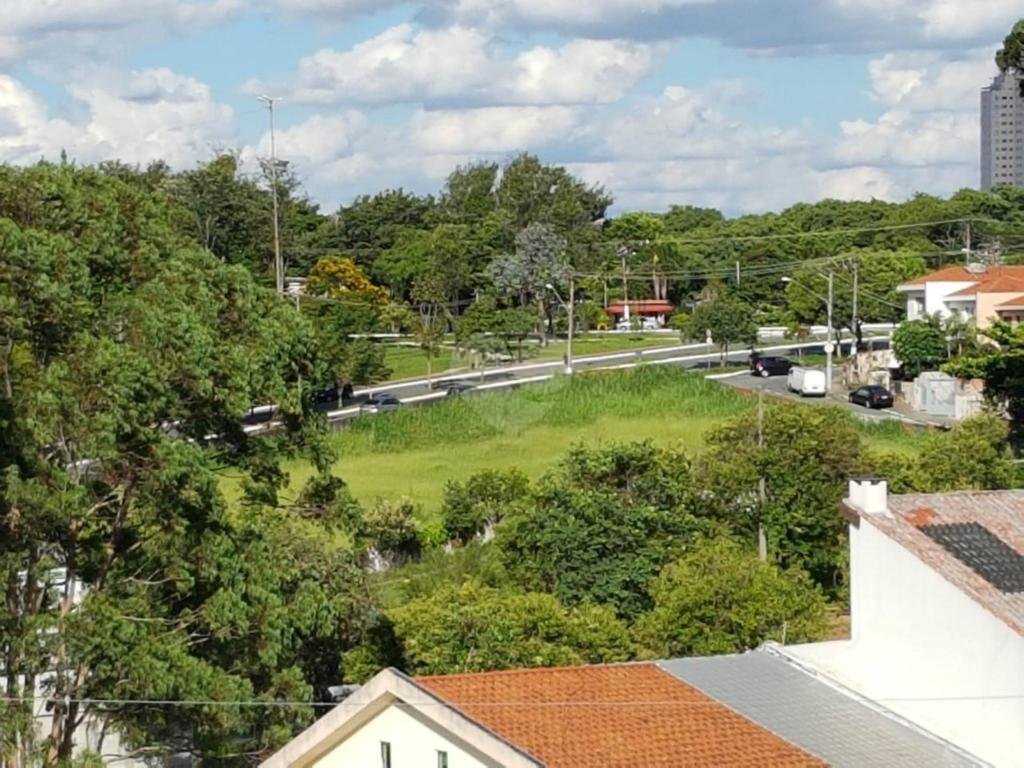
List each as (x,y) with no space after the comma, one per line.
(572,322)
(853,315)
(762,492)
(829,346)
(278,263)
(625,285)
(737,273)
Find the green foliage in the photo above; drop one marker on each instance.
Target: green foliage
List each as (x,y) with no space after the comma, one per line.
(474,507)
(1001,365)
(974,455)
(1011,55)
(719,598)
(128,356)
(919,345)
(474,628)
(601,526)
(681,219)
(390,530)
(729,321)
(805,455)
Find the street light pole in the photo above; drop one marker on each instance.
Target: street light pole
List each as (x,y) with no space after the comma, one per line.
(829,346)
(278,263)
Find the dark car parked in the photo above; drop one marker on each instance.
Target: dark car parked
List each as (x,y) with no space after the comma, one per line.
(770,366)
(872,397)
(456,388)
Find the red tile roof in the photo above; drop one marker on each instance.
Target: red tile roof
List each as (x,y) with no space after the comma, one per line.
(1001,512)
(996,276)
(613,716)
(649,306)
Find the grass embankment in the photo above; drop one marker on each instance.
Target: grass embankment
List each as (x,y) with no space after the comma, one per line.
(408,362)
(414,451)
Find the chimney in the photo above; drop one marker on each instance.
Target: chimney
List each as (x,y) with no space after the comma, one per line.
(869,496)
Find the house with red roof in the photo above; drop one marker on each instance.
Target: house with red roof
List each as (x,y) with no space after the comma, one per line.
(976,291)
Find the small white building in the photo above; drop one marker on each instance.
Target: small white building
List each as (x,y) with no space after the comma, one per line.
(975,292)
(937,605)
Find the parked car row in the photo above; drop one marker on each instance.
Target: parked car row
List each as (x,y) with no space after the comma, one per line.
(810,382)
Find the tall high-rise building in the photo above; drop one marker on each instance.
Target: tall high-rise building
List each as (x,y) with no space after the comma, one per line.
(1002,131)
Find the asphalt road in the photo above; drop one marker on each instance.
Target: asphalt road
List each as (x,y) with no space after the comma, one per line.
(693,356)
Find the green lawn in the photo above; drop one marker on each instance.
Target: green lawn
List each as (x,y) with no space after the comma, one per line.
(414,451)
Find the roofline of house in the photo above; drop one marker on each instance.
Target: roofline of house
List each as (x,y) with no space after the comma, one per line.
(780,651)
(392,687)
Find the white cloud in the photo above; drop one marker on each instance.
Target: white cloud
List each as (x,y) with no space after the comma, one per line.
(57,29)
(135,117)
(931,115)
(491,129)
(459,64)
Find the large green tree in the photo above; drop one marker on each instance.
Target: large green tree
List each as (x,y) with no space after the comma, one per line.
(127,357)
(1011,55)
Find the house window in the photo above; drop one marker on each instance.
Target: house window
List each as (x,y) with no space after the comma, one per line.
(442,759)
(385,754)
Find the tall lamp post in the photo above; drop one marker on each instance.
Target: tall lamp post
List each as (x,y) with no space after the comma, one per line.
(570,309)
(278,263)
(829,346)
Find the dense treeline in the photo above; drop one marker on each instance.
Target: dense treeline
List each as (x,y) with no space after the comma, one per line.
(137,326)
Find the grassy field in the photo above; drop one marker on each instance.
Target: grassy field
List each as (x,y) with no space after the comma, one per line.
(414,451)
(407,362)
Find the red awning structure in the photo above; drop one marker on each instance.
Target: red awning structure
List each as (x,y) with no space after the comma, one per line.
(643,307)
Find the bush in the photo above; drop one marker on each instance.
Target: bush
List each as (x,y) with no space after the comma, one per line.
(719,598)
(472,508)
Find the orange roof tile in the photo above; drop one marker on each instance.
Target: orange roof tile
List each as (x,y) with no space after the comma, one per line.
(1015,303)
(997,275)
(613,716)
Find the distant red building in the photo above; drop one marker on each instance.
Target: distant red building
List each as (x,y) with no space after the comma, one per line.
(656,309)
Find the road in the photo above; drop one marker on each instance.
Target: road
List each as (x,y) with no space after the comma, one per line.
(694,356)
(776,387)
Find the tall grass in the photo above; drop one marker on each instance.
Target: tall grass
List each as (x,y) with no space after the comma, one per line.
(645,392)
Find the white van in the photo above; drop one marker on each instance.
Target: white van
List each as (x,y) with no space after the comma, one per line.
(806,381)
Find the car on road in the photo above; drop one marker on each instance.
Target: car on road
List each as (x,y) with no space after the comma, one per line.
(456,388)
(806,381)
(872,396)
(382,402)
(769,366)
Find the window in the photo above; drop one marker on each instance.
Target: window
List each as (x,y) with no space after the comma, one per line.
(442,759)
(385,754)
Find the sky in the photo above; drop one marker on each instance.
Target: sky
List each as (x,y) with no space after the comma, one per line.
(743,105)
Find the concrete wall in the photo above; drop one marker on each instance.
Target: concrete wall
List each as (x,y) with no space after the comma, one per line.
(936,293)
(414,744)
(925,650)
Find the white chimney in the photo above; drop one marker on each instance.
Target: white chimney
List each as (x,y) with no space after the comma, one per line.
(869,496)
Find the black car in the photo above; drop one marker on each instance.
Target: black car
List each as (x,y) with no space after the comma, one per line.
(770,366)
(456,388)
(872,397)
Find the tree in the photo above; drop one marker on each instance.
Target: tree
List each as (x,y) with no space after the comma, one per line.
(1001,365)
(539,260)
(719,598)
(473,629)
(600,527)
(974,455)
(919,345)
(680,219)
(340,278)
(127,357)
(374,223)
(804,456)
(1011,55)
(474,507)
(389,534)
(727,320)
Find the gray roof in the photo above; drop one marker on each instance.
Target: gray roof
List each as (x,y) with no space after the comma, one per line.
(823,719)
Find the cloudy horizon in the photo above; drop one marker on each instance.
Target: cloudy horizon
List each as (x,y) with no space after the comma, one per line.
(741,105)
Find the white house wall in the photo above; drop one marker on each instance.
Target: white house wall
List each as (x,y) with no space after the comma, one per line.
(414,744)
(936,293)
(925,650)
